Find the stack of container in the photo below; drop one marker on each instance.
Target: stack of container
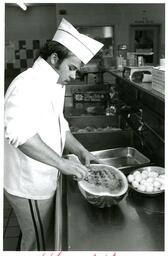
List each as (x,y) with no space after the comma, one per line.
(158,79)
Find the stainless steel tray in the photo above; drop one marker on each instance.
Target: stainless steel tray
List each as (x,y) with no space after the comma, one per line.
(123,158)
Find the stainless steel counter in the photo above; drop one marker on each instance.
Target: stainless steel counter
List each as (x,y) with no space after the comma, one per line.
(146,87)
(136,224)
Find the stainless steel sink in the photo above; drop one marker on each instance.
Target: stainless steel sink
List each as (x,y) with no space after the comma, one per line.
(100,132)
(99,121)
(113,146)
(124,158)
(105,140)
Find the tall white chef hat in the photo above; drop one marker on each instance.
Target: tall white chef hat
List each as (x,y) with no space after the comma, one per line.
(81,45)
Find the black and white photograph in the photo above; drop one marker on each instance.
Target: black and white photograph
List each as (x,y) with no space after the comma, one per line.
(83,128)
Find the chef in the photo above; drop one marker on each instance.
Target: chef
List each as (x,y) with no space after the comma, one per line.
(36,133)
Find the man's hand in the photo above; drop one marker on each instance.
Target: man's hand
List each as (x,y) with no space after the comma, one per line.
(76,169)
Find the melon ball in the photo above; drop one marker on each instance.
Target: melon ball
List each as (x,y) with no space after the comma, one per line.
(150,179)
(144,175)
(141,187)
(160,180)
(162,176)
(148,184)
(149,188)
(143,182)
(138,177)
(156,184)
(135,184)
(130,177)
(136,172)
(153,174)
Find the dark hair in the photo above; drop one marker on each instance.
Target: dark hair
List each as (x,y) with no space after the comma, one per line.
(55,47)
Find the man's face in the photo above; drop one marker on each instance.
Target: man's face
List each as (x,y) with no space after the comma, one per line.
(67,69)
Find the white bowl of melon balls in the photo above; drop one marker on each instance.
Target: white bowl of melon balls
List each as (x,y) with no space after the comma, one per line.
(149,180)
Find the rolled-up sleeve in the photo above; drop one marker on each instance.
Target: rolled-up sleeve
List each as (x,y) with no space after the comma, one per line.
(21,113)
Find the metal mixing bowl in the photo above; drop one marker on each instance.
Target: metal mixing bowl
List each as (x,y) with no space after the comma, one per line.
(102,197)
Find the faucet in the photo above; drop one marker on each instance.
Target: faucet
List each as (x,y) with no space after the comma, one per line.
(140,128)
(140,120)
(111,110)
(134,116)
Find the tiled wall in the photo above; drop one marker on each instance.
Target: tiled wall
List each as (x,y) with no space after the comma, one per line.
(22,54)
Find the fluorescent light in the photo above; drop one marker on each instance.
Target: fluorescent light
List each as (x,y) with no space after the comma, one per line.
(22,5)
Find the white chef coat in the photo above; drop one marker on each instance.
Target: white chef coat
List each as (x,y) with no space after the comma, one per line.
(33,104)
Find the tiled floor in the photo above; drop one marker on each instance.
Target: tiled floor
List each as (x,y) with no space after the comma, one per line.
(11,229)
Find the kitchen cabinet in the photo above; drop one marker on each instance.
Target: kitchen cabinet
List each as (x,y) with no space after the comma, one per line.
(151,140)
